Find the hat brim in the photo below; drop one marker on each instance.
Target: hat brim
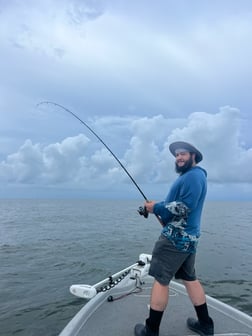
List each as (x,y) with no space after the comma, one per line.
(185,145)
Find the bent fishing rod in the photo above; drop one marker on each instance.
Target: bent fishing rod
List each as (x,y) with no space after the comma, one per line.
(142,211)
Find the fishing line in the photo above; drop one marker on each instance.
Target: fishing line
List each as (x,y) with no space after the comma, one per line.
(141,210)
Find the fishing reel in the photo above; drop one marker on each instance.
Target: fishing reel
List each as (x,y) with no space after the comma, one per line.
(143,211)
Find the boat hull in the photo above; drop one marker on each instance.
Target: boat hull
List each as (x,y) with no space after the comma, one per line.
(116,311)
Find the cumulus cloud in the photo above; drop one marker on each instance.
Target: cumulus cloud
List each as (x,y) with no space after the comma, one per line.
(218,136)
(146,156)
(52,164)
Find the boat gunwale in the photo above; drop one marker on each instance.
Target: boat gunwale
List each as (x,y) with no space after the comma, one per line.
(218,305)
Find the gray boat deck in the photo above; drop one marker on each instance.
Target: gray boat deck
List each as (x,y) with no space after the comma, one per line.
(117,318)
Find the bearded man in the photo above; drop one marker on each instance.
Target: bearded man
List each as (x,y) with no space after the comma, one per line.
(174,252)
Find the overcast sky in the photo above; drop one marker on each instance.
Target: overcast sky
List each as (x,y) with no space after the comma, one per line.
(141,74)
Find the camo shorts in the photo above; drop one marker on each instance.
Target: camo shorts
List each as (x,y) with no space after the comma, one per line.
(168,262)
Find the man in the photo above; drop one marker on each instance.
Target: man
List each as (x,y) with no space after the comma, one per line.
(174,252)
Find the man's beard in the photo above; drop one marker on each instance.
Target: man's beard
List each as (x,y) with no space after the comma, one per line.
(183,169)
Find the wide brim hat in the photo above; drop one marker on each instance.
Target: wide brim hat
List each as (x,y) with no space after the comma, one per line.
(188,147)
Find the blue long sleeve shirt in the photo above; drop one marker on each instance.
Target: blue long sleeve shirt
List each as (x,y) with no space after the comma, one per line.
(189,188)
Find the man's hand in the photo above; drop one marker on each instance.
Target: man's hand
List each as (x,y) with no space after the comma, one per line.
(149,205)
(146,209)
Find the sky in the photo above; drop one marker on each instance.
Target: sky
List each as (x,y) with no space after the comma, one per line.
(141,74)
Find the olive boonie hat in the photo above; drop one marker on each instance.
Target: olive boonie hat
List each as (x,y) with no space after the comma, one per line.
(181,145)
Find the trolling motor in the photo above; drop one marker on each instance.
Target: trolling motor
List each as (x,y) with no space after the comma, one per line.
(143,212)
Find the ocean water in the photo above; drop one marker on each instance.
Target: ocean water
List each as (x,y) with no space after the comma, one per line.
(48,245)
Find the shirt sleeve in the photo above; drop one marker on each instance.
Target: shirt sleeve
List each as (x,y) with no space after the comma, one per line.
(160,210)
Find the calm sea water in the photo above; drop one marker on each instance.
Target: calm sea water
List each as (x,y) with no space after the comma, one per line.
(47,245)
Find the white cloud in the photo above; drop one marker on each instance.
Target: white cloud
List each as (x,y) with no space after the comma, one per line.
(23,166)
(146,156)
(218,137)
(52,164)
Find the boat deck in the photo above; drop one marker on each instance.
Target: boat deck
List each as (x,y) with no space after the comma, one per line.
(118,317)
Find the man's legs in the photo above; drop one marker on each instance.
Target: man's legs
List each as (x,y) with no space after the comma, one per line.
(165,263)
(204,325)
(158,303)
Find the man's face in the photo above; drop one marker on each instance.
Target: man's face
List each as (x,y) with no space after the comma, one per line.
(184,162)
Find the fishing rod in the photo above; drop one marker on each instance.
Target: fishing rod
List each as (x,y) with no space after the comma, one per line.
(142,210)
